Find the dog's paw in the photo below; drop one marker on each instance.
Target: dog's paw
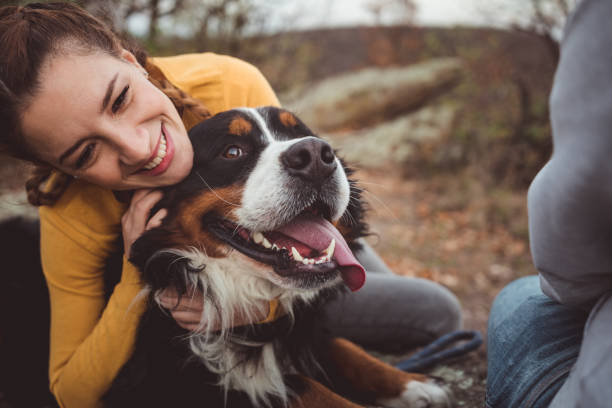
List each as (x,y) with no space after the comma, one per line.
(419,394)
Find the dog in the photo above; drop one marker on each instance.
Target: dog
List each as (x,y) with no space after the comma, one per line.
(268,215)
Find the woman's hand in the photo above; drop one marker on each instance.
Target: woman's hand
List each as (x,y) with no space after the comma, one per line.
(135,220)
(188,310)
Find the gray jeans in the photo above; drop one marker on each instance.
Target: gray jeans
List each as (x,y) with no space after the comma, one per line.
(393,313)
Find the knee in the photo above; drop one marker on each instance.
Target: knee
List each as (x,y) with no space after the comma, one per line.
(448,312)
(438,306)
(511,297)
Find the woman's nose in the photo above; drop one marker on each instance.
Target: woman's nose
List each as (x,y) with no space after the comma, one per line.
(134,147)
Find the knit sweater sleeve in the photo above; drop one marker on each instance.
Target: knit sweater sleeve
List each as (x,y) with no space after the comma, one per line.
(90,338)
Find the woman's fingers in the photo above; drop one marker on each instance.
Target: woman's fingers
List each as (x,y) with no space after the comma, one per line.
(157,219)
(134,220)
(186,318)
(182,304)
(187,310)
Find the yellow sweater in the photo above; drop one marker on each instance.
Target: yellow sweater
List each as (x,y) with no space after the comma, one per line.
(92,339)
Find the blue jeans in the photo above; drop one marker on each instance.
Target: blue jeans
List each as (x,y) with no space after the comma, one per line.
(533,342)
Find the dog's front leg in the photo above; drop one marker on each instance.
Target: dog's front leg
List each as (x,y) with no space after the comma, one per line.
(316,395)
(389,386)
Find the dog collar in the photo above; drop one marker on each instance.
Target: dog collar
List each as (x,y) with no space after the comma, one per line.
(275,312)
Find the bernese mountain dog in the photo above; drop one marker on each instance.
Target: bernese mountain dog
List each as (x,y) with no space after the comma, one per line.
(267,216)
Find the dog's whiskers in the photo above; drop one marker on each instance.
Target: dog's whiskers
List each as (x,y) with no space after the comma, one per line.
(375,184)
(214,192)
(382,203)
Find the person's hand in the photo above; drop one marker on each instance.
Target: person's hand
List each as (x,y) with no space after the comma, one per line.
(135,220)
(187,310)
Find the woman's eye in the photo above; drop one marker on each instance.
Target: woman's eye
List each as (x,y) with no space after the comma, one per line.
(120,100)
(232,152)
(85,156)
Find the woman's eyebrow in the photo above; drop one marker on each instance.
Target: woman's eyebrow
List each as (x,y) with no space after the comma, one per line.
(109,93)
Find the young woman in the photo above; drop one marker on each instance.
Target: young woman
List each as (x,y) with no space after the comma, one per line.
(92,113)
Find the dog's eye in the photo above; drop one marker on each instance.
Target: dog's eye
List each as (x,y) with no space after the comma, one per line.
(232,152)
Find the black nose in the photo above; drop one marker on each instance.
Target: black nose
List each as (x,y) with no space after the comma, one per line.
(310,159)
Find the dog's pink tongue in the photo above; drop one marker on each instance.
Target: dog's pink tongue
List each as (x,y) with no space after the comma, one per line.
(317,233)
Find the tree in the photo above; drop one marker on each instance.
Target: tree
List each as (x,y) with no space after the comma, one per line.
(543,18)
(392,11)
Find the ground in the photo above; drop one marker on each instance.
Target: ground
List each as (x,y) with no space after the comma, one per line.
(450,229)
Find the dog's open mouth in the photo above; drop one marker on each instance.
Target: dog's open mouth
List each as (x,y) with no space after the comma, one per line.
(309,245)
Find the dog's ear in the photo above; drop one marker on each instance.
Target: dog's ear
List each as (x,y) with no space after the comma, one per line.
(161,266)
(147,244)
(172,268)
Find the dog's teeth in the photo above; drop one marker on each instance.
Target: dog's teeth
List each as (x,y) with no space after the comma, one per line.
(296,254)
(266,243)
(258,237)
(330,249)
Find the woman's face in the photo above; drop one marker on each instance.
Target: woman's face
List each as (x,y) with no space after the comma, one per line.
(99,118)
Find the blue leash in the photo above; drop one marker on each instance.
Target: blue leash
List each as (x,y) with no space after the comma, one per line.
(438,350)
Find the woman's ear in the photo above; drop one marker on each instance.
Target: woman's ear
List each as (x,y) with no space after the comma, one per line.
(129,57)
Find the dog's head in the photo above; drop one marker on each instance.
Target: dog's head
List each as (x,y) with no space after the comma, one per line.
(264,186)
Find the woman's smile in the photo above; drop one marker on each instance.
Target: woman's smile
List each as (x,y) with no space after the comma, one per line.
(162,156)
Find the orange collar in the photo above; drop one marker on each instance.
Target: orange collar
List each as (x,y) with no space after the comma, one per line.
(276,311)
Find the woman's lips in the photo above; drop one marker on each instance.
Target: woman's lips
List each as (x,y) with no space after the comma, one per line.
(165,163)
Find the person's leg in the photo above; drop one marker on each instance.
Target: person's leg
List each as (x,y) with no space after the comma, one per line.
(393,313)
(588,384)
(533,342)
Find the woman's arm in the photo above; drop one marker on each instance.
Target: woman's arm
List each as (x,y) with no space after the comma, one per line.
(570,200)
(90,339)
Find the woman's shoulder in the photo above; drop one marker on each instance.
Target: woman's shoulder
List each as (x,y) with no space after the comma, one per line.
(194,69)
(220,81)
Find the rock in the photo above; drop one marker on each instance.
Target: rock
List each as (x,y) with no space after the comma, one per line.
(15,204)
(372,95)
(399,141)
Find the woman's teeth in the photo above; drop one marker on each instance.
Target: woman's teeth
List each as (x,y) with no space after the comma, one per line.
(161,153)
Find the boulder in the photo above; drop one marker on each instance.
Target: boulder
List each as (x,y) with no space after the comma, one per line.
(373,95)
(416,137)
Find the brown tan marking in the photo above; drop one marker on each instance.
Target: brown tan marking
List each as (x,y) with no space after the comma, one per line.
(239,126)
(367,373)
(319,396)
(222,201)
(344,230)
(287,119)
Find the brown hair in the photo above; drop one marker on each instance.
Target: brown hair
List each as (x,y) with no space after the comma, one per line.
(28,36)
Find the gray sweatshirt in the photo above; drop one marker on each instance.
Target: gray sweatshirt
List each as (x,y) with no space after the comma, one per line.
(570,200)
